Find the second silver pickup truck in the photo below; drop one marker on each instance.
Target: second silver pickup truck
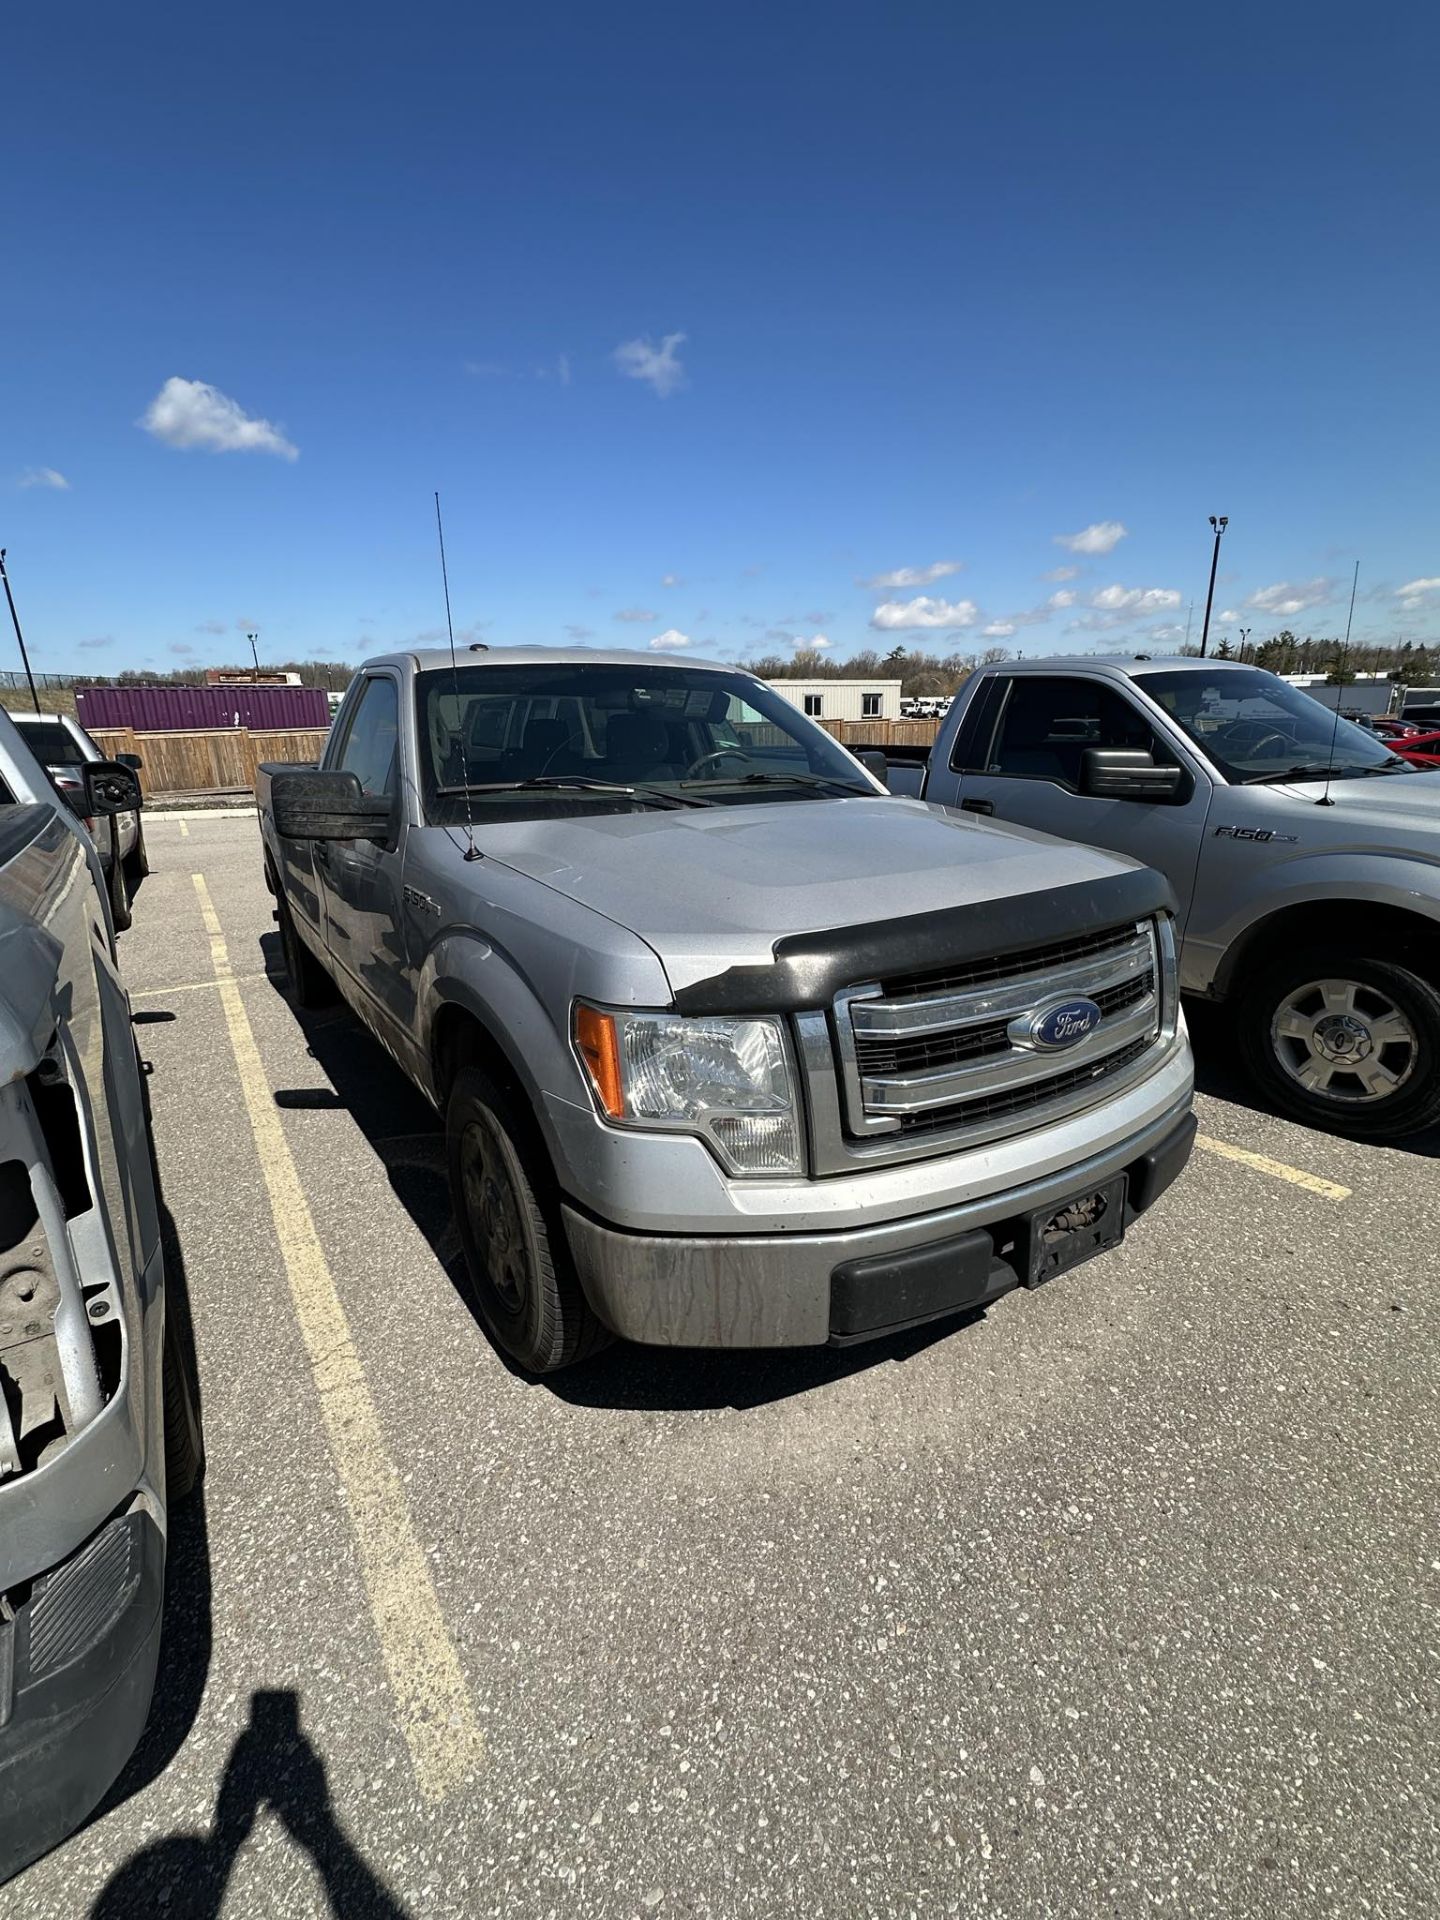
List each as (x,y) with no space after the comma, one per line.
(733,1048)
(1304,856)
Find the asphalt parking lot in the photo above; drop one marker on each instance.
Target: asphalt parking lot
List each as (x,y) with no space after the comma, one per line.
(1119,1598)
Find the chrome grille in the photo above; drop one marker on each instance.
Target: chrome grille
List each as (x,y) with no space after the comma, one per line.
(947,1053)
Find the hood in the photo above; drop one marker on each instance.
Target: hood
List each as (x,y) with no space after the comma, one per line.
(714,889)
(1393,812)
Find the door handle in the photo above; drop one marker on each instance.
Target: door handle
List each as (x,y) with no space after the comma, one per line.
(977,806)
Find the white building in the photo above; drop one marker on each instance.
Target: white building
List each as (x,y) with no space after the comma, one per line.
(842,699)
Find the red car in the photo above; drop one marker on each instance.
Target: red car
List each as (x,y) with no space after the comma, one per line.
(1420,749)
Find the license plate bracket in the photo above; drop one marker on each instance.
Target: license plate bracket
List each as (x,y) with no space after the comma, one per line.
(1062,1237)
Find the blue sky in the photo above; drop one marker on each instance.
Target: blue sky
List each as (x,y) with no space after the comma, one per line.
(711,316)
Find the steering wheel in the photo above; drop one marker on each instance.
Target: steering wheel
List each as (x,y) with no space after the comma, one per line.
(1256,737)
(711,759)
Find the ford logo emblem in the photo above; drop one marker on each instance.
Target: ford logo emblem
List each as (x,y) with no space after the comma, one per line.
(1065,1025)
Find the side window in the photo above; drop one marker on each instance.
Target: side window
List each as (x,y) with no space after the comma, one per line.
(814,703)
(1049,722)
(971,751)
(869,706)
(371,745)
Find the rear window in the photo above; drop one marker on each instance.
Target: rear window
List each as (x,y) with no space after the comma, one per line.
(51,743)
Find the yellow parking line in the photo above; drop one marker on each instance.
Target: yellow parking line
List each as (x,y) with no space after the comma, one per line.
(437,1714)
(194,986)
(184,831)
(1277,1169)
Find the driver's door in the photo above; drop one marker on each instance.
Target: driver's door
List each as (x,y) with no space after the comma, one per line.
(1024,765)
(361,879)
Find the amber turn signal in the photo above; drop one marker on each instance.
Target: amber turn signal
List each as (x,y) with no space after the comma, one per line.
(600,1050)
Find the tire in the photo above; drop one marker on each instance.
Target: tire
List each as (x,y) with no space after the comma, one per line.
(310,984)
(1323,1033)
(118,887)
(137,862)
(521,1275)
(184,1441)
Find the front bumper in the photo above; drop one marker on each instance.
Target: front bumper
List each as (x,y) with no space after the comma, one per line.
(77,1665)
(812,1289)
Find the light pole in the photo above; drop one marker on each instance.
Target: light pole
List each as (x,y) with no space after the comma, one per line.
(254,654)
(1245,633)
(1219,526)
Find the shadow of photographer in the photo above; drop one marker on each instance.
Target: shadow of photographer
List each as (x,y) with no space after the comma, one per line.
(272,1764)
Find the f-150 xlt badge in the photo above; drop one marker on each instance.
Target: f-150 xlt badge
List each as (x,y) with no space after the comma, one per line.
(1263,834)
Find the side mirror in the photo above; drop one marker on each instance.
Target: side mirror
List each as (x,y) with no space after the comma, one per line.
(130,760)
(873,761)
(110,787)
(326,806)
(1122,773)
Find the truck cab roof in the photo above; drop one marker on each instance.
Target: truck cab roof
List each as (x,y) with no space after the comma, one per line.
(434,659)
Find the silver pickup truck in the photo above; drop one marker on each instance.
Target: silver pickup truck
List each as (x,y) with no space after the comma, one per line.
(98,1410)
(733,1049)
(1304,856)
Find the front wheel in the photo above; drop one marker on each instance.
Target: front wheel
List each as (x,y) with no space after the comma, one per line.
(522,1277)
(118,886)
(1345,1042)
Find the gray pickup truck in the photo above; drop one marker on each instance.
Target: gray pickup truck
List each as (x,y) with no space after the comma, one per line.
(733,1049)
(1304,856)
(98,1421)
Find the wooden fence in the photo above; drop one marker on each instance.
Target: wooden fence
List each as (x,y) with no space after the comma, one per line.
(219,760)
(883,733)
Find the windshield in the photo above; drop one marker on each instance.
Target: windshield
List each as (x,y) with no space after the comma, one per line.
(52,743)
(1254,726)
(691,732)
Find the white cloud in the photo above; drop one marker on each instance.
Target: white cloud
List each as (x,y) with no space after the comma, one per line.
(913,576)
(1066,597)
(659,366)
(1102,536)
(671,641)
(1228,614)
(998,630)
(45,477)
(810,643)
(671,580)
(897,616)
(636,616)
(562,369)
(1061,573)
(1413,594)
(1287,597)
(191,413)
(1133,601)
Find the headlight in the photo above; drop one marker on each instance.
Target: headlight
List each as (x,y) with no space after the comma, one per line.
(728,1080)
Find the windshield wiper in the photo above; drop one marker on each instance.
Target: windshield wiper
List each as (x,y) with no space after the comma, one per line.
(826,781)
(578,783)
(1319,771)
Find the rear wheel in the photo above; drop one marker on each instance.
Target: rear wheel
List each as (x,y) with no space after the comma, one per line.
(137,863)
(524,1282)
(1346,1042)
(118,886)
(310,984)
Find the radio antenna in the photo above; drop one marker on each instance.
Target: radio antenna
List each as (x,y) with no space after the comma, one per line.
(1325,800)
(472,852)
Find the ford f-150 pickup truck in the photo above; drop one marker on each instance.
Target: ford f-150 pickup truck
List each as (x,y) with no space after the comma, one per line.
(733,1049)
(1304,856)
(98,1423)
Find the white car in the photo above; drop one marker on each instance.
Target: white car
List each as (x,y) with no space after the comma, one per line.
(62,746)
